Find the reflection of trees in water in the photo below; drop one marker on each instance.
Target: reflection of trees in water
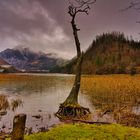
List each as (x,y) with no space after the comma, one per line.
(17,84)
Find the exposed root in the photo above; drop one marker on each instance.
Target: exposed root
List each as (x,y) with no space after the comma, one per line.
(72,111)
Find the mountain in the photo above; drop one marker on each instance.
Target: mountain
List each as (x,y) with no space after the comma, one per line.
(25,59)
(6,67)
(3,62)
(110,53)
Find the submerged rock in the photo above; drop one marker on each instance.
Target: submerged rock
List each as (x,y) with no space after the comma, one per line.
(2,113)
(37,116)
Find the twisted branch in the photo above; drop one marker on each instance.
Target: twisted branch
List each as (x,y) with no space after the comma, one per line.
(132,5)
(135,5)
(81,6)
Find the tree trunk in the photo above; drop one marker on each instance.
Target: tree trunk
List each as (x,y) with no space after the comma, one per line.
(18,127)
(73,96)
(70,108)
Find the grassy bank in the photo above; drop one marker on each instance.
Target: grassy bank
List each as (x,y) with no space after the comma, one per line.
(88,132)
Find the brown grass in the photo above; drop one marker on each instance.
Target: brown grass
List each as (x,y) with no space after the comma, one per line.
(112,89)
(115,94)
(4,104)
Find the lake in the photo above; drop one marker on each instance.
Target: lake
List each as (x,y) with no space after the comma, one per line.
(42,93)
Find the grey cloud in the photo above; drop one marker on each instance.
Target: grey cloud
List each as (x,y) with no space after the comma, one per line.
(45,24)
(13,20)
(29,22)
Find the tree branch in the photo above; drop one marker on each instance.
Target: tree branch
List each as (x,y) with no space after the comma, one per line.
(85,10)
(82,6)
(133,5)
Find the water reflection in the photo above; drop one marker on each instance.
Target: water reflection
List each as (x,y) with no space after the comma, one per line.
(41,96)
(42,93)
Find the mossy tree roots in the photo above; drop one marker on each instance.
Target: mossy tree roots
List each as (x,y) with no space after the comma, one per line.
(72,111)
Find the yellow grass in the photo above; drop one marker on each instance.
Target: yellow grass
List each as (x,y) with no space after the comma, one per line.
(115,94)
(112,89)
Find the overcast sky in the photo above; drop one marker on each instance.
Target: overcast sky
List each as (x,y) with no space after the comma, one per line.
(45,25)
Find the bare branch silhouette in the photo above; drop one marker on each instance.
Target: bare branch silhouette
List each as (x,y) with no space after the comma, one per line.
(132,5)
(135,5)
(70,107)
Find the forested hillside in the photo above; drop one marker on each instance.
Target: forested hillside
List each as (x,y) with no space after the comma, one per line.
(110,53)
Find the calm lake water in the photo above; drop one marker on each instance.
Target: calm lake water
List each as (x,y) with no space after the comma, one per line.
(41,95)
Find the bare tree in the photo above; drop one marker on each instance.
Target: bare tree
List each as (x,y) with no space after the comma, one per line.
(135,5)
(70,107)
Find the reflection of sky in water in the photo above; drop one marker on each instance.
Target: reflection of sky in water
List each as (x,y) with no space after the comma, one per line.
(43,93)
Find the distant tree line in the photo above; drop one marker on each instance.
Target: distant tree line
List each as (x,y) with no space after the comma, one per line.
(109,53)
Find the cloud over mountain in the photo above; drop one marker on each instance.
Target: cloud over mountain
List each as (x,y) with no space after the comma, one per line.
(27,22)
(45,24)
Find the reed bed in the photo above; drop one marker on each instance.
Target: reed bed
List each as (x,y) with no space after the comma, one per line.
(112,89)
(118,95)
